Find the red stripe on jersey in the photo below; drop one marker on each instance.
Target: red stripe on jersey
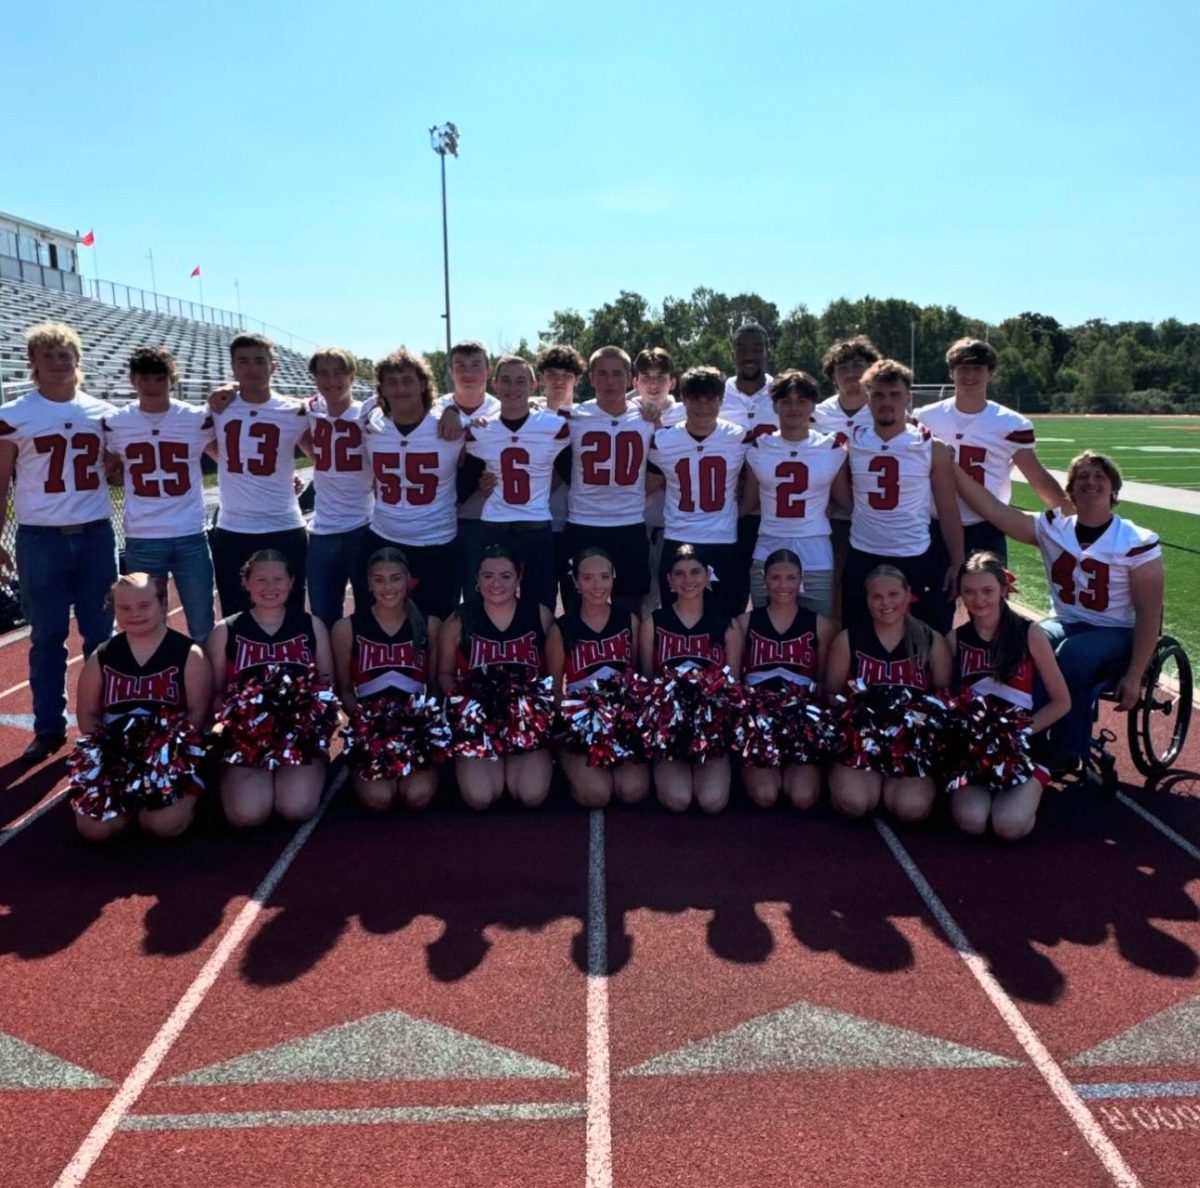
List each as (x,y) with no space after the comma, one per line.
(1142,549)
(1022,436)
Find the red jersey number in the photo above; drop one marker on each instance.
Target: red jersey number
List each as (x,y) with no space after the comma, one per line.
(337,446)
(84,459)
(793,482)
(886,469)
(971,459)
(1094,595)
(264,437)
(514,478)
(710,479)
(420,478)
(170,457)
(626,453)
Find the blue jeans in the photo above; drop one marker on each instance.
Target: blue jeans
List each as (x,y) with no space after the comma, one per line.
(56,569)
(333,559)
(188,561)
(1090,658)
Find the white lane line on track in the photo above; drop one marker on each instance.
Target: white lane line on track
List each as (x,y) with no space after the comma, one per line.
(1163,828)
(73,660)
(599,1085)
(1091,1130)
(140,1076)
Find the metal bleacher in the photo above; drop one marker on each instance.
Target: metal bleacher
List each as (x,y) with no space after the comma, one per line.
(110,333)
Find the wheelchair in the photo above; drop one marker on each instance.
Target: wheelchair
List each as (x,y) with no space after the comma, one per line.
(1157,726)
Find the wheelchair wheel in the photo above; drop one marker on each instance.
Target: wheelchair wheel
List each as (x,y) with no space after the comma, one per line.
(1158,724)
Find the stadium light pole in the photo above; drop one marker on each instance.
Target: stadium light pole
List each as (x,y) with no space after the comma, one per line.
(444,140)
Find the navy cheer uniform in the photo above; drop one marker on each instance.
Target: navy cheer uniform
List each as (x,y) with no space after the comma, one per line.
(380,662)
(248,646)
(873,664)
(521,645)
(973,668)
(596,655)
(781,657)
(151,688)
(702,644)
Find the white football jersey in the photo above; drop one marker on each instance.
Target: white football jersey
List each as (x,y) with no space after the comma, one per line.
(415,482)
(522,461)
(891,491)
(702,480)
(60,458)
(830,417)
(794,478)
(1090,583)
(608,466)
(739,409)
(161,452)
(489,409)
(256,444)
(983,443)
(341,471)
(673,413)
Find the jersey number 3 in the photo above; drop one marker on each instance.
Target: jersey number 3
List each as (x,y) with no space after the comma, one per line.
(886,469)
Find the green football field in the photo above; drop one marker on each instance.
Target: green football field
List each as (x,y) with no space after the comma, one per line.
(1160,450)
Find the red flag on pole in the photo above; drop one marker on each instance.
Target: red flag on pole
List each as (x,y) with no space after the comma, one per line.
(196,271)
(88,240)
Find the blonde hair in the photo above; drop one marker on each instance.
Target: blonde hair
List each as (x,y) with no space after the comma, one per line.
(334,354)
(918,636)
(52,334)
(139,581)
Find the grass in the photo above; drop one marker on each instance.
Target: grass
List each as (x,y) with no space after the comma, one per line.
(1161,450)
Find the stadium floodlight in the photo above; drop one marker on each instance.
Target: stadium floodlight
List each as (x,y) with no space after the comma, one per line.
(444,140)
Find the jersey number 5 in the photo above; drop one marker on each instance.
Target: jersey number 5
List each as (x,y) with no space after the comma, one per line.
(420,478)
(171,458)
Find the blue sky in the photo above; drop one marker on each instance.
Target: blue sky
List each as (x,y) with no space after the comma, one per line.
(1021,156)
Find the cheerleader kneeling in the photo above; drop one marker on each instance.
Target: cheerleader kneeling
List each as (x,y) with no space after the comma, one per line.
(142,697)
(693,651)
(275,708)
(785,724)
(591,655)
(492,666)
(381,656)
(996,655)
(888,742)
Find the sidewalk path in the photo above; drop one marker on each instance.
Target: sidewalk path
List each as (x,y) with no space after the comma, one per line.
(1147,494)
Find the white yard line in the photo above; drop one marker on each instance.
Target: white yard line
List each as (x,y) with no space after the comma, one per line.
(599,1084)
(1091,1130)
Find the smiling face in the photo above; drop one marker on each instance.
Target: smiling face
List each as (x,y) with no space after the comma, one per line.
(334,381)
(688,578)
(981,594)
(401,390)
(783,583)
(1091,490)
(138,609)
(268,585)
(887,600)
(469,371)
(795,412)
(54,364)
(388,583)
(750,357)
(498,581)
(514,386)
(594,580)
(253,367)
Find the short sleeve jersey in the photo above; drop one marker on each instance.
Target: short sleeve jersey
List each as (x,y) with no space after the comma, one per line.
(380,662)
(488,409)
(60,464)
(702,478)
(522,461)
(415,493)
(1090,583)
(746,411)
(164,483)
(983,443)
(341,472)
(830,417)
(608,466)
(256,445)
(973,669)
(789,655)
(891,491)
(672,414)
(794,479)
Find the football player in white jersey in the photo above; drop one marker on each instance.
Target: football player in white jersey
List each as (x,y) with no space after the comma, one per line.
(52,438)
(160,443)
(469,400)
(701,460)
(843,365)
(559,368)
(1106,585)
(518,449)
(791,476)
(610,445)
(341,475)
(415,470)
(894,465)
(258,433)
(987,440)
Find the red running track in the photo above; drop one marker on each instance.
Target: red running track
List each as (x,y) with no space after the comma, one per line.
(773,998)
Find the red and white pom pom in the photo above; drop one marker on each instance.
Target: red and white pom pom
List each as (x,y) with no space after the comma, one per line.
(891,729)
(989,746)
(781,727)
(137,762)
(601,721)
(280,716)
(393,734)
(692,714)
(497,712)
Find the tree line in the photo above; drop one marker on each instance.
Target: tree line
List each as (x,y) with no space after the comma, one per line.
(1044,366)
